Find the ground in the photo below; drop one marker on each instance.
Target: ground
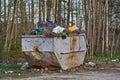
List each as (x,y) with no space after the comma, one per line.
(106,71)
(91,75)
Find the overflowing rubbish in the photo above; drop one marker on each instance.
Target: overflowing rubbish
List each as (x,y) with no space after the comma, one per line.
(52,47)
(46,24)
(73,28)
(25,66)
(50,29)
(58,29)
(64,35)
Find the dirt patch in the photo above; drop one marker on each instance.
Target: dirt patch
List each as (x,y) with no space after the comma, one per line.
(104,71)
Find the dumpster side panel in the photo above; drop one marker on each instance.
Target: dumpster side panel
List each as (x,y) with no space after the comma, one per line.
(83,43)
(40,44)
(68,51)
(74,44)
(39,52)
(83,47)
(62,45)
(44,59)
(69,60)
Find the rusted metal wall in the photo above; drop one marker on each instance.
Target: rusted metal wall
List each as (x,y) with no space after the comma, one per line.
(70,52)
(34,43)
(65,53)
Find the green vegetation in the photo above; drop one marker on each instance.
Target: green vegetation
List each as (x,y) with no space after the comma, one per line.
(13,71)
(9,67)
(105,59)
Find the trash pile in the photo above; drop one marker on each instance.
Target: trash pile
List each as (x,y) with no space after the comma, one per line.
(49,29)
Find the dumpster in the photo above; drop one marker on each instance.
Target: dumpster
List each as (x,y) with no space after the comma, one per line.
(54,52)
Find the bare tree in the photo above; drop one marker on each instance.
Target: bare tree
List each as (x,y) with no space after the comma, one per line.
(32,11)
(40,9)
(5,12)
(5,57)
(53,10)
(68,12)
(106,29)
(0,9)
(98,11)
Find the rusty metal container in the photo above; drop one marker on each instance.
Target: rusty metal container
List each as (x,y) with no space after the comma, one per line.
(54,52)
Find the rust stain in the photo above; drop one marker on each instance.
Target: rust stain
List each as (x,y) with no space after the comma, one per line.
(73,43)
(36,49)
(72,60)
(43,59)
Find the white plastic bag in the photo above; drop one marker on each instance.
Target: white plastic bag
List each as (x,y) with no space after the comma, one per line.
(58,29)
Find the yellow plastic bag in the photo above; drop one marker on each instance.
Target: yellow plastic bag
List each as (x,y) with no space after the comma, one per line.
(73,28)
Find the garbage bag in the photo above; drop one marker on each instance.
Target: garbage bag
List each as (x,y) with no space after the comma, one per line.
(77,31)
(33,32)
(73,28)
(50,23)
(58,29)
(25,66)
(39,31)
(46,24)
(64,35)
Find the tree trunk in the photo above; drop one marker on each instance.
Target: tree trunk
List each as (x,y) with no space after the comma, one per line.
(0,10)
(56,11)
(53,10)
(5,12)
(68,13)
(44,10)
(49,6)
(12,25)
(32,12)
(106,30)
(29,7)
(64,13)
(88,27)
(7,38)
(99,26)
(113,43)
(40,20)
(94,28)
(59,13)
(72,10)
(103,32)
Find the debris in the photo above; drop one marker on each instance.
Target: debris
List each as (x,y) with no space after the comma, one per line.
(33,32)
(25,33)
(49,29)
(46,24)
(25,66)
(64,35)
(91,64)
(9,72)
(76,31)
(115,60)
(58,29)
(60,70)
(39,31)
(19,63)
(36,70)
(19,74)
(73,28)
(46,70)
(42,70)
